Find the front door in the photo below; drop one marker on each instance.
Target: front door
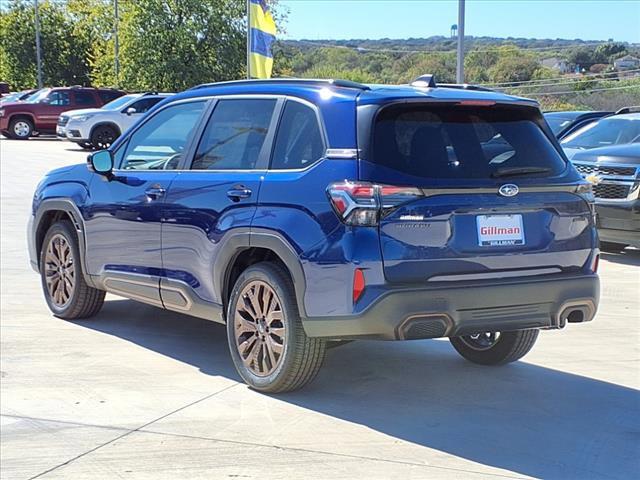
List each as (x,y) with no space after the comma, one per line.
(124,214)
(216,196)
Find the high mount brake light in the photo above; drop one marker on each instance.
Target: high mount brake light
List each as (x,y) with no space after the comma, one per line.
(362,203)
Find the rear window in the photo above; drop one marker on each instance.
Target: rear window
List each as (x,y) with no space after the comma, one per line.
(446,142)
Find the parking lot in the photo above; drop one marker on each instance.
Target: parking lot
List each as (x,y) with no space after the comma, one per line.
(139,392)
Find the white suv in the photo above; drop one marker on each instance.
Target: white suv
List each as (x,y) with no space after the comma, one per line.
(99,127)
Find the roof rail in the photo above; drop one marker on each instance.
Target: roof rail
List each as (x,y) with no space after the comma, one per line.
(631,109)
(281,81)
(466,86)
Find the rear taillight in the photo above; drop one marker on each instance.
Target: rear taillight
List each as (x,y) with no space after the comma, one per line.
(363,203)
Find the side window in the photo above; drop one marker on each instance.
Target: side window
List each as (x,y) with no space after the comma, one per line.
(142,106)
(234,135)
(299,140)
(59,98)
(108,95)
(85,98)
(160,142)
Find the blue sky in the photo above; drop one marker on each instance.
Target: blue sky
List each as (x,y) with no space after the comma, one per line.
(569,19)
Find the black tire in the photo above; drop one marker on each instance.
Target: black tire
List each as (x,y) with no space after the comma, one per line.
(20,128)
(86,146)
(611,247)
(509,347)
(301,356)
(84,301)
(103,136)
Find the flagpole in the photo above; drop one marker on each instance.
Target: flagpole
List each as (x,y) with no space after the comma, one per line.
(248,39)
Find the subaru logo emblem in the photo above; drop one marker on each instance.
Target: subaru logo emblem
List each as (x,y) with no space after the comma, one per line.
(508,190)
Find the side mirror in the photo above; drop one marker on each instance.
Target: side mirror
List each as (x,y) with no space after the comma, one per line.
(131,111)
(101,162)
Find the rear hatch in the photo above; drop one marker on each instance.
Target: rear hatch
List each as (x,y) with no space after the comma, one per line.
(488,194)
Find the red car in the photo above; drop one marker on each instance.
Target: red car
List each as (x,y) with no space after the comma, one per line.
(39,113)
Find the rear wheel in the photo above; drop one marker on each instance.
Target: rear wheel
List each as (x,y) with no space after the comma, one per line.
(64,287)
(103,136)
(268,344)
(20,128)
(495,348)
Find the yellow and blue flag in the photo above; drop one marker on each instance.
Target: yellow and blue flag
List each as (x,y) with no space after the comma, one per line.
(262,34)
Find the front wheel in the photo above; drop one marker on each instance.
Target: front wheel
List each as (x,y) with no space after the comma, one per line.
(20,128)
(65,290)
(495,348)
(268,344)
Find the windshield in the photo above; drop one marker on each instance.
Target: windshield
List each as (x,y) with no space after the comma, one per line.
(558,122)
(609,131)
(119,102)
(448,142)
(12,97)
(38,96)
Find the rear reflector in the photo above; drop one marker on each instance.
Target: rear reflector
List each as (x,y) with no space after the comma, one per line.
(358,284)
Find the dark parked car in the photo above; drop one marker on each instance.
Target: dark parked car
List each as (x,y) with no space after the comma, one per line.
(40,112)
(617,129)
(564,123)
(300,212)
(615,173)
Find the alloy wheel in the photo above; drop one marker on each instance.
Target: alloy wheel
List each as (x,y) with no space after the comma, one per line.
(260,328)
(59,271)
(481,341)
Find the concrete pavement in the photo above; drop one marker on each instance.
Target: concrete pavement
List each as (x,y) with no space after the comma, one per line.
(142,393)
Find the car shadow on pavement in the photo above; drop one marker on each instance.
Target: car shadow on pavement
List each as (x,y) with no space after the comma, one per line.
(626,257)
(524,418)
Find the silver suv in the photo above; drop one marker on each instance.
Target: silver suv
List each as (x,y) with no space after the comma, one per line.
(99,127)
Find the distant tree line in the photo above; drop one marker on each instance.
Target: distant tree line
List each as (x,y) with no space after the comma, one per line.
(170,45)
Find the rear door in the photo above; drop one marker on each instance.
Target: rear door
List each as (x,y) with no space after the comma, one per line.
(217,194)
(496,198)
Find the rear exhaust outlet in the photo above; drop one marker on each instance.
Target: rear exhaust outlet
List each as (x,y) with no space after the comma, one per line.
(575,312)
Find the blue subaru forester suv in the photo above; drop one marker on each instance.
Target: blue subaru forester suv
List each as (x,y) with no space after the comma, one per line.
(304,213)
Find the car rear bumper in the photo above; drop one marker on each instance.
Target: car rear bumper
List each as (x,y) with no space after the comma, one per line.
(452,310)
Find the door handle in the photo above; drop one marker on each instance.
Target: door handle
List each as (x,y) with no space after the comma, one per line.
(154,192)
(238,192)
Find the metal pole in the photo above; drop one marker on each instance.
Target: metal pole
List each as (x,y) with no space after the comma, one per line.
(116,42)
(38,55)
(460,60)
(248,39)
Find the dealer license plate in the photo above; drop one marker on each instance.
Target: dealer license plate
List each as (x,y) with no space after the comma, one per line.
(500,230)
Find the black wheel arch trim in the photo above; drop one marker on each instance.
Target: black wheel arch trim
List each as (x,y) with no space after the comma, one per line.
(67,206)
(244,238)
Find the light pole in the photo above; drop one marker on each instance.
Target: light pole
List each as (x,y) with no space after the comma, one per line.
(38,55)
(460,59)
(116,42)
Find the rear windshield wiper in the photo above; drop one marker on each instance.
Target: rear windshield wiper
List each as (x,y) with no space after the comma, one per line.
(514,171)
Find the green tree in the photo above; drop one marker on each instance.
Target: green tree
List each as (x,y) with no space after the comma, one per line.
(63,59)
(174,44)
(608,52)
